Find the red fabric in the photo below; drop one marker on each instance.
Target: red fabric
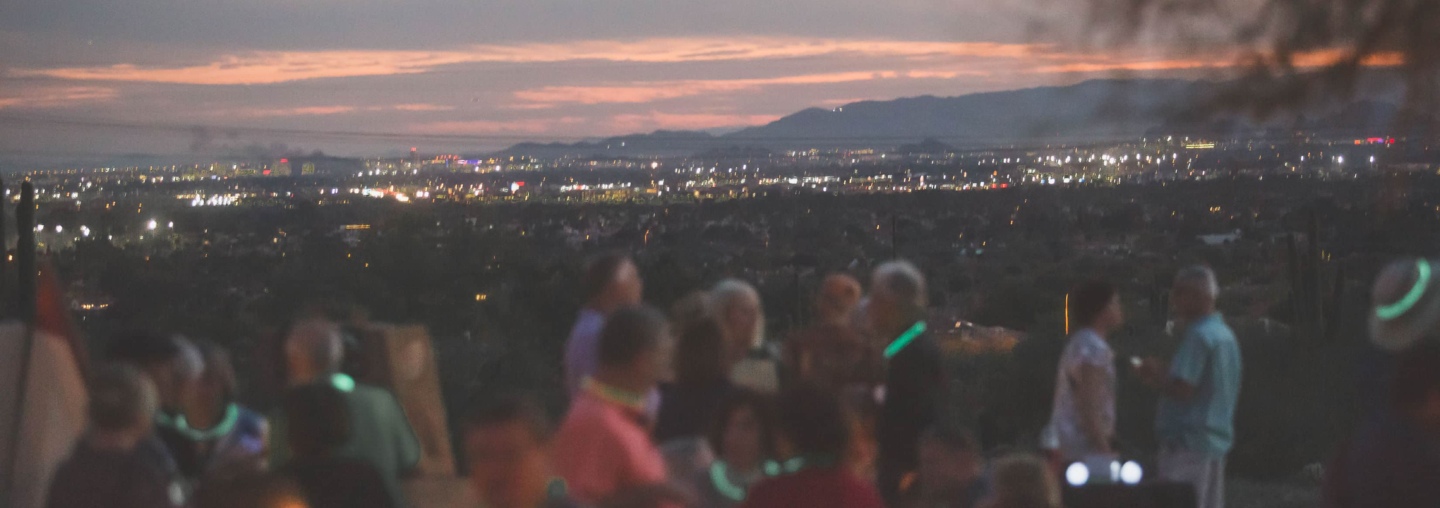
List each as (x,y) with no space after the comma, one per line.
(817,488)
(52,313)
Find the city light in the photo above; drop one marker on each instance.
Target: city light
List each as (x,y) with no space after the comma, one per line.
(151,225)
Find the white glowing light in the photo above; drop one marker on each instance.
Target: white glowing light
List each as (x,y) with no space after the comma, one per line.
(151,225)
(1130,473)
(1077,474)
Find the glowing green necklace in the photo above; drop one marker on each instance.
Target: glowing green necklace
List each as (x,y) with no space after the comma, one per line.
(904,340)
(1417,291)
(720,477)
(178,424)
(720,474)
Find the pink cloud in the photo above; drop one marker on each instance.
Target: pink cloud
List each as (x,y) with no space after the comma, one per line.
(521,126)
(56,97)
(660,90)
(300,111)
(328,110)
(267,67)
(263,68)
(421,107)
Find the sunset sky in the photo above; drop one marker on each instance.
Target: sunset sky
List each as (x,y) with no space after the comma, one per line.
(129,76)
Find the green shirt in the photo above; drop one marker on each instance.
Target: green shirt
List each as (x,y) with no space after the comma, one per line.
(380,434)
(1209,360)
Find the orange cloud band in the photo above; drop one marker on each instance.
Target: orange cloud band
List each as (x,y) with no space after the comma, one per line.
(256,68)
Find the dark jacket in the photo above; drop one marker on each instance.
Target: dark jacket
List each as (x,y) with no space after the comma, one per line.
(339,483)
(95,478)
(689,410)
(915,386)
(1389,462)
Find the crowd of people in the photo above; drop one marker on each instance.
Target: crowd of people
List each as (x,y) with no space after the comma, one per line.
(695,408)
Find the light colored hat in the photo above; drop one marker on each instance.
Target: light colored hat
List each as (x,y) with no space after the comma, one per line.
(1406,300)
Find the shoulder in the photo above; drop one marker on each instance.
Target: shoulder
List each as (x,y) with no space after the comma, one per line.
(924,347)
(587,424)
(925,351)
(370,394)
(1086,345)
(1212,330)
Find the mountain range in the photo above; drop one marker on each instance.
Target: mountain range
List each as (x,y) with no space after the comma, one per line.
(1095,110)
(1092,110)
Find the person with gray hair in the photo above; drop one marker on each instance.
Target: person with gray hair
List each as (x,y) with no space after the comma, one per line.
(915,384)
(737,306)
(380,434)
(1195,422)
(108,466)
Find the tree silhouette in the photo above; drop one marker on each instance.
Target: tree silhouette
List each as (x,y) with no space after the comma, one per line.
(1294,53)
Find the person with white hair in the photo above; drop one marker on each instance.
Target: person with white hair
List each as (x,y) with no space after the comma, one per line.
(380,434)
(915,384)
(756,366)
(1195,422)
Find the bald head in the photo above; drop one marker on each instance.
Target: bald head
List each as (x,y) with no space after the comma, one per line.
(313,349)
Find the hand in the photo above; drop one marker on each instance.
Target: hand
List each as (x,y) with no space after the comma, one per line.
(1151,371)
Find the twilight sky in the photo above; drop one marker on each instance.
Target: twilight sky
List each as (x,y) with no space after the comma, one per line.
(140,75)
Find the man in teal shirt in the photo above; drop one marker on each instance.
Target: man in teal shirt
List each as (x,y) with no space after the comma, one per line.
(380,434)
(1195,423)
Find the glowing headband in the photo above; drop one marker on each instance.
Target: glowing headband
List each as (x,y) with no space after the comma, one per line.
(1399,308)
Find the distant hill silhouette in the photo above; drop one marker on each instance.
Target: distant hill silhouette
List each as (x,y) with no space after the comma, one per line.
(1095,110)
(663,143)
